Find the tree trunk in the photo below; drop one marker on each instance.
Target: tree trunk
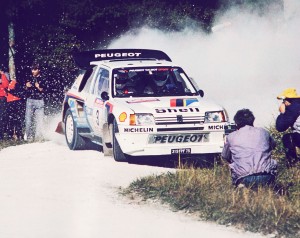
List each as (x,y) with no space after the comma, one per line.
(11,51)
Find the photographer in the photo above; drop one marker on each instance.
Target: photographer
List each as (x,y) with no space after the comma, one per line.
(248,150)
(34,115)
(289,117)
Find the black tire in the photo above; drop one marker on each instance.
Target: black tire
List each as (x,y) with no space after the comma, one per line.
(73,139)
(117,151)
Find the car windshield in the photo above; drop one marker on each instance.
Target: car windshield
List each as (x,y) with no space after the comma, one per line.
(151,81)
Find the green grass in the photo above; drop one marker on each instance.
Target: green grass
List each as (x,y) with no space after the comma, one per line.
(209,194)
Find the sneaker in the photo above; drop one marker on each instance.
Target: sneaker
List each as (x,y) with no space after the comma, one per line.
(241,185)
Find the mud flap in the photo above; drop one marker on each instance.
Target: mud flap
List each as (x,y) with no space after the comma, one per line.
(59,129)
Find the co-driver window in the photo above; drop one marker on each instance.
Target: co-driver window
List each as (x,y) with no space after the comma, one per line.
(101,82)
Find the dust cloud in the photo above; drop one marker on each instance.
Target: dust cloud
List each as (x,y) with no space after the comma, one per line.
(49,133)
(245,63)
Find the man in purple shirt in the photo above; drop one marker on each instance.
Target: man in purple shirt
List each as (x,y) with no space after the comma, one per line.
(248,150)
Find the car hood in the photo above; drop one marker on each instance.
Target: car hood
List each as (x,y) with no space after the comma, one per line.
(159,104)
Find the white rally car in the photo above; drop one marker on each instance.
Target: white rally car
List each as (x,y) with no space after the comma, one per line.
(136,102)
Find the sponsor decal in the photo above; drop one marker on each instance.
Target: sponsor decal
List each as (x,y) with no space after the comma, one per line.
(74,96)
(109,107)
(181,151)
(182,102)
(181,138)
(148,69)
(71,102)
(138,129)
(173,110)
(112,55)
(98,102)
(216,127)
(143,100)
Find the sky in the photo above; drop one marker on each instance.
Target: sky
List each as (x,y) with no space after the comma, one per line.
(245,63)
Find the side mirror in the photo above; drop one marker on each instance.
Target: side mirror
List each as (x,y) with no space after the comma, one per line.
(104,96)
(201,93)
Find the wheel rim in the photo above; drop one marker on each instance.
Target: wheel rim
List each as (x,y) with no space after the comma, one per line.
(69,129)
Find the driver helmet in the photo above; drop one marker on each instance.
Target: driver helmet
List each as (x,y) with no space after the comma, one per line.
(160,80)
(121,79)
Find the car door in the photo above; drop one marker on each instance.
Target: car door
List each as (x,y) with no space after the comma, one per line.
(90,98)
(96,117)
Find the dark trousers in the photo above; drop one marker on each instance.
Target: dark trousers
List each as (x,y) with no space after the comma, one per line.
(15,118)
(290,142)
(3,121)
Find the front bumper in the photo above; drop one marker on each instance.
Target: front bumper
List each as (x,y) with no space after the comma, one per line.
(143,144)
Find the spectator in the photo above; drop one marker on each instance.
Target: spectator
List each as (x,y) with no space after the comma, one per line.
(3,105)
(248,150)
(15,110)
(34,115)
(289,117)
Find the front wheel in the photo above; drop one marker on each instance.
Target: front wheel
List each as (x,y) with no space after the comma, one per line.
(117,151)
(73,139)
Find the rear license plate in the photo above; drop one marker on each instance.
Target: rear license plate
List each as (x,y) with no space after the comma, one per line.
(181,151)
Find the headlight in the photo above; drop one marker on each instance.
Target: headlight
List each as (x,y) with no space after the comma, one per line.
(215,116)
(141,119)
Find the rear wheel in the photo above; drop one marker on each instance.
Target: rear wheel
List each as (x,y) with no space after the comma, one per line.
(117,151)
(73,139)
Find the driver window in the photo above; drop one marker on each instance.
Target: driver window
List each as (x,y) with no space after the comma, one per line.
(102,82)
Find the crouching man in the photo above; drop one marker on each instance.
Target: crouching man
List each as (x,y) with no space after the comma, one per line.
(248,151)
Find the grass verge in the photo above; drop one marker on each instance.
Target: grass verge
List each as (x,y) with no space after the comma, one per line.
(209,194)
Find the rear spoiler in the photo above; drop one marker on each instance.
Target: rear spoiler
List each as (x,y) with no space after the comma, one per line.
(82,59)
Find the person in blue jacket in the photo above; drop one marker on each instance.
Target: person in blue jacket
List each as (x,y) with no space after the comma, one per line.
(289,117)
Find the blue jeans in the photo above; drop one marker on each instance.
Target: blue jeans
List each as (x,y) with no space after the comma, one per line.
(256,180)
(34,118)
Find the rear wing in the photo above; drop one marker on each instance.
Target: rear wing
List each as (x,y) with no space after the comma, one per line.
(83,59)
